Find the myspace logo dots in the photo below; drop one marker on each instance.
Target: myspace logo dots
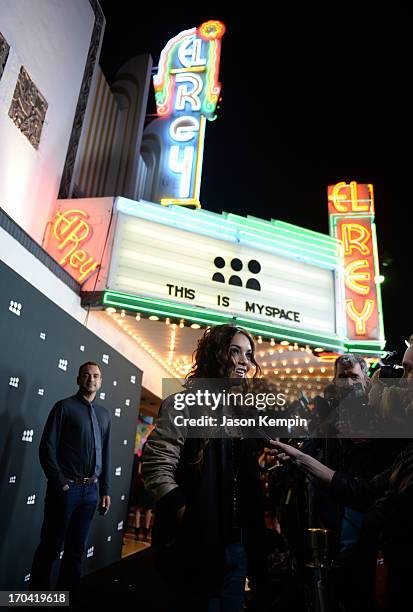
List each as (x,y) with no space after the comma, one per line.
(63,364)
(236,265)
(14,381)
(28,435)
(15,308)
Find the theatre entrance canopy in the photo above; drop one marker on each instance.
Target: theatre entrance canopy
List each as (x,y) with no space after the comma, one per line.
(289,286)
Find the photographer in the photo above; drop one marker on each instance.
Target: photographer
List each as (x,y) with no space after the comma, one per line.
(345,410)
(387,499)
(391,398)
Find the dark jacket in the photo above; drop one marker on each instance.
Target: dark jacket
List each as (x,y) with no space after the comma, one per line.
(67,445)
(387,525)
(198,474)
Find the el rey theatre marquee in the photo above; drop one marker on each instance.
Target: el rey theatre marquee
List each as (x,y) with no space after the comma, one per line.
(175,260)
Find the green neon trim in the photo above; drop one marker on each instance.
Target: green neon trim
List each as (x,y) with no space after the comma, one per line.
(200,315)
(378,287)
(292,249)
(225,226)
(195,309)
(309,239)
(378,353)
(275,226)
(168,216)
(224,220)
(275,230)
(299,241)
(291,254)
(179,308)
(290,227)
(362,342)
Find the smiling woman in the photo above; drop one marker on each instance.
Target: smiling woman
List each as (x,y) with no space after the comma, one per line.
(210,519)
(221,351)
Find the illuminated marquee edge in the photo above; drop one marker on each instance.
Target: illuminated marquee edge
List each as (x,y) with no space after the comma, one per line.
(273,236)
(203,316)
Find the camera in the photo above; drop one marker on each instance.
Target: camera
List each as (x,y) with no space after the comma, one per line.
(353,410)
(389,367)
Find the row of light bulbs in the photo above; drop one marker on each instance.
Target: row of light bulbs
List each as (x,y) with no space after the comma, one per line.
(183,369)
(176,372)
(272,342)
(138,317)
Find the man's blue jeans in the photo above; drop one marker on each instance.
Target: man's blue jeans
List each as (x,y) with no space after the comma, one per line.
(67,518)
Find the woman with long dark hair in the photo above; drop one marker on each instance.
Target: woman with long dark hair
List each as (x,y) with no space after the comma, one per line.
(209,519)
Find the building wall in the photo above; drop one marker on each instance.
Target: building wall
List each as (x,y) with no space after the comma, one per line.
(97,140)
(45,348)
(108,161)
(50,39)
(30,268)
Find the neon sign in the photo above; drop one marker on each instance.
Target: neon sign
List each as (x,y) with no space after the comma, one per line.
(351,213)
(186,93)
(71,231)
(76,235)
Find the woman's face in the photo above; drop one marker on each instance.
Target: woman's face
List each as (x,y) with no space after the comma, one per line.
(240,353)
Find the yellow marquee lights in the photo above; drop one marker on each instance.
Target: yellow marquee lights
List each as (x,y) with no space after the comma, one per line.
(179,365)
(165,363)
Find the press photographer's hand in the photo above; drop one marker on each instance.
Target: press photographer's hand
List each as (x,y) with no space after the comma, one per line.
(284,452)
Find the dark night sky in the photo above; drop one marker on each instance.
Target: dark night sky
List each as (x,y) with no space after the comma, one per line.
(305,104)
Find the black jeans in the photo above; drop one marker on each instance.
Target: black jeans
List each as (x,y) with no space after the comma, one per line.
(67,518)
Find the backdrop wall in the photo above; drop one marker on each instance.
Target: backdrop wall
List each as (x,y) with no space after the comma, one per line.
(41,350)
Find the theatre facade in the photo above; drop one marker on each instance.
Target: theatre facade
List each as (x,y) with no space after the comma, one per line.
(107,252)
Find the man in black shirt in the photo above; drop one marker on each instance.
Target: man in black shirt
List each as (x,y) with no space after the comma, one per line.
(75,456)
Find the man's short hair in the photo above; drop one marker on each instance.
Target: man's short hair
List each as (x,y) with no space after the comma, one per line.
(349,361)
(88,363)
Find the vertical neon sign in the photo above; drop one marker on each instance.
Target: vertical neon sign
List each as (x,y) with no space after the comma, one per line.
(186,93)
(351,214)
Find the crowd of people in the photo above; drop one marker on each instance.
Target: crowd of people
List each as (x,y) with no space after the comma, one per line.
(318,522)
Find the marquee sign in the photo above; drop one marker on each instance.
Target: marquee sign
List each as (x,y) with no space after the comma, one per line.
(186,93)
(271,276)
(76,234)
(351,213)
